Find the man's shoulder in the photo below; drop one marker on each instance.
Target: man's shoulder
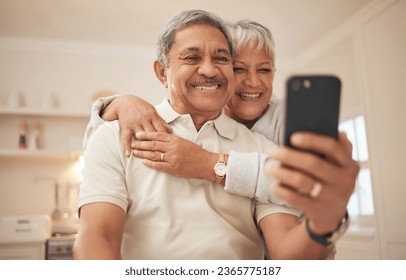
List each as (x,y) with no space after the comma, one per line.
(106,131)
(106,143)
(110,126)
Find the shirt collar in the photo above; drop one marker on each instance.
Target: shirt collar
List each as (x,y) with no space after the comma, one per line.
(224,125)
(166,111)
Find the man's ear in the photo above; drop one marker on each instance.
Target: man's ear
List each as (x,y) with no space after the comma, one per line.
(160,72)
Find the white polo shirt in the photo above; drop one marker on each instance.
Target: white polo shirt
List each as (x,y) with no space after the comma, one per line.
(174,218)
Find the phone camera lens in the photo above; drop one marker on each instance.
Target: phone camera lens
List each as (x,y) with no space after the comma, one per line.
(296,85)
(307,84)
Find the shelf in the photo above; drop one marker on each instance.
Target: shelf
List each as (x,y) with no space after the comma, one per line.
(37,154)
(61,125)
(43,112)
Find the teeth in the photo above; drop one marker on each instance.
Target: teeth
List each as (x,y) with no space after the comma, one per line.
(249,95)
(206,88)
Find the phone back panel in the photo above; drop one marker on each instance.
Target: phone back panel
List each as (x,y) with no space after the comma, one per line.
(313,104)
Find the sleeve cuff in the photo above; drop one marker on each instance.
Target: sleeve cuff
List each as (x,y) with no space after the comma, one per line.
(242,174)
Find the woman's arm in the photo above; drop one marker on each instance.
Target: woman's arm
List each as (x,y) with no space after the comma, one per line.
(186,159)
(183,158)
(133,113)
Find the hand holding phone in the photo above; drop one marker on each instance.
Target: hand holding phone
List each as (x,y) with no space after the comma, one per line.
(312,104)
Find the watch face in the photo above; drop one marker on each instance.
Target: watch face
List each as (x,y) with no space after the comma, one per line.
(220,169)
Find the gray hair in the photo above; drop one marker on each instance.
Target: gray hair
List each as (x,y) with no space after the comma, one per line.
(184,19)
(248,32)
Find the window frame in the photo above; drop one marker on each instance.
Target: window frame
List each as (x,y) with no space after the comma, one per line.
(359,218)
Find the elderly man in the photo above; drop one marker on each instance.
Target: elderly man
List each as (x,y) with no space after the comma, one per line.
(134,212)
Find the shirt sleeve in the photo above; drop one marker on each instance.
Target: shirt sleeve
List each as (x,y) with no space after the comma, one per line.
(265,209)
(104,175)
(95,119)
(263,190)
(242,174)
(246,176)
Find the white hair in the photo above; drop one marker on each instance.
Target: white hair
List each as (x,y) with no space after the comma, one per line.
(248,32)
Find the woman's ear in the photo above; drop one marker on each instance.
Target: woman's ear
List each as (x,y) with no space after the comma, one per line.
(160,72)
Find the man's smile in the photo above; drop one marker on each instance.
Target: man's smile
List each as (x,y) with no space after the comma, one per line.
(214,87)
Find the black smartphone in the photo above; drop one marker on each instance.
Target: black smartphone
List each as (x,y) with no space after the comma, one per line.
(312,104)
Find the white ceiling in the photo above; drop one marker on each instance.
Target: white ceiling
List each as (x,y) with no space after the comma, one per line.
(296,24)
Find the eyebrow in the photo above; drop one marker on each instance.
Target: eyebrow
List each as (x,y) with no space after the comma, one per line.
(262,63)
(225,51)
(195,49)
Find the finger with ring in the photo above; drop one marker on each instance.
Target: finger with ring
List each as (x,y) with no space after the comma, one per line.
(162,156)
(315,191)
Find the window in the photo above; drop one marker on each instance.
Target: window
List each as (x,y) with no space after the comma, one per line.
(361,201)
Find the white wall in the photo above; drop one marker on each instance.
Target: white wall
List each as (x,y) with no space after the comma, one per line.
(382,39)
(76,71)
(367,53)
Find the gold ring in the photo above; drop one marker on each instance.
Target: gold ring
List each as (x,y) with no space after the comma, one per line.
(162,156)
(316,190)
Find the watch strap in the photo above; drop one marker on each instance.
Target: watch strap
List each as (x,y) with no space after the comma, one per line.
(220,160)
(330,238)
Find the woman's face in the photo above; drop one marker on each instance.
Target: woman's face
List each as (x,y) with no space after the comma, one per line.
(254,73)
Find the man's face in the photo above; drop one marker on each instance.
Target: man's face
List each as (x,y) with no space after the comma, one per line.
(200,74)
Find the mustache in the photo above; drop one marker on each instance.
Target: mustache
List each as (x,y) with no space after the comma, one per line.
(209,81)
